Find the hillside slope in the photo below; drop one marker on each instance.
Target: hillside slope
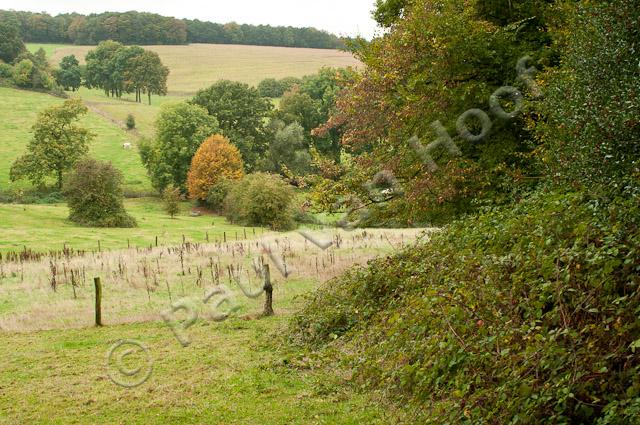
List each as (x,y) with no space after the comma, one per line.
(522,315)
(19,110)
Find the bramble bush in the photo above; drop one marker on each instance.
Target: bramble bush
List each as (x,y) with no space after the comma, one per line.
(591,134)
(526,314)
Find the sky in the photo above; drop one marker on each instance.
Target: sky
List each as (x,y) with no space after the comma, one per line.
(341,17)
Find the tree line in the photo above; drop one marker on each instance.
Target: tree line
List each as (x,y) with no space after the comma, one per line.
(148,29)
(119,69)
(111,66)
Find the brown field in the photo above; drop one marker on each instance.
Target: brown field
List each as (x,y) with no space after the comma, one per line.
(199,65)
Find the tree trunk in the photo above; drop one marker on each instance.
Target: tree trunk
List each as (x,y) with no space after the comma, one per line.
(59,179)
(149,97)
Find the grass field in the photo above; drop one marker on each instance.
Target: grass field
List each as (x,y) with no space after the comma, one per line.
(197,66)
(45,227)
(238,371)
(231,374)
(18,112)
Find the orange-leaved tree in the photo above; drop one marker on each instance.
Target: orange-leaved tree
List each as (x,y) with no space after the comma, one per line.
(215,159)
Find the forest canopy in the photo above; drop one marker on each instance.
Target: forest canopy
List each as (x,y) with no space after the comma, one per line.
(149,28)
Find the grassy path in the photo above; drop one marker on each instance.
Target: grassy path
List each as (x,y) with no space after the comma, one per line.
(233,373)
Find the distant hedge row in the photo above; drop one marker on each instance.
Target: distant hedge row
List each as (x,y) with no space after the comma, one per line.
(149,28)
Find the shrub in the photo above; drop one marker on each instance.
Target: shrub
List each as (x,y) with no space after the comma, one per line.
(22,73)
(218,193)
(94,195)
(216,158)
(270,87)
(288,83)
(525,314)
(6,70)
(261,199)
(171,199)
(131,122)
(592,106)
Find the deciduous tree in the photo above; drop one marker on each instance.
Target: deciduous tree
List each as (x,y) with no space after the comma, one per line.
(241,112)
(69,75)
(58,143)
(215,159)
(11,44)
(180,130)
(171,198)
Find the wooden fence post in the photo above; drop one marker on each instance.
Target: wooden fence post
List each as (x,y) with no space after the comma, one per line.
(268,290)
(98,286)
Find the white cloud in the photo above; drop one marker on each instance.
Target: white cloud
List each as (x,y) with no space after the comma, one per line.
(342,17)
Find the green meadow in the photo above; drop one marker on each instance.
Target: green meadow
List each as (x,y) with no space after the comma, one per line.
(19,109)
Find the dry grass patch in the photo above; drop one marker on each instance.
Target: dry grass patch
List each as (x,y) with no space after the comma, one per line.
(138,284)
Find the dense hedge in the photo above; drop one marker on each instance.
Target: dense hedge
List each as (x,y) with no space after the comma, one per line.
(527,314)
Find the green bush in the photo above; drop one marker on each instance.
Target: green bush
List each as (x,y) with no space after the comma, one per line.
(130,122)
(270,87)
(6,70)
(218,193)
(261,199)
(94,195)
(171,198)
(526,314)
(591,131)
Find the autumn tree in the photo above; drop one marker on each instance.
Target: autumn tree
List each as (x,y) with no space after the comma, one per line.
(180,129)
(216,159)
(58,143)
(439,60)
